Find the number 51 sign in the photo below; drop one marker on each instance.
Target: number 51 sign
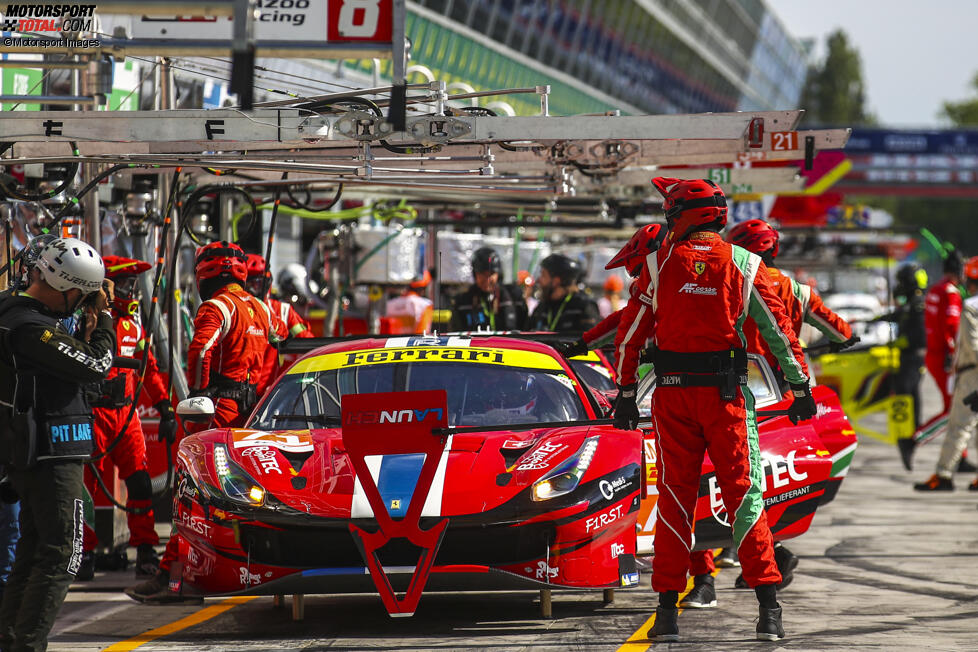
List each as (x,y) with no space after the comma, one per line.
(291,28)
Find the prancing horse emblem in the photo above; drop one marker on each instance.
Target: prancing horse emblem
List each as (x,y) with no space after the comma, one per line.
(700,267)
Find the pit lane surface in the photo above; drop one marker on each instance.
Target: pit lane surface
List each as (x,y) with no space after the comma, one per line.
(883,568)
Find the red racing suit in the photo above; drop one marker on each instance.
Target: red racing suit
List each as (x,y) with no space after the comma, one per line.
(694,298)
(297,327)
(129,454)
(232,331)
(942,315)
(232,334)
(804,306)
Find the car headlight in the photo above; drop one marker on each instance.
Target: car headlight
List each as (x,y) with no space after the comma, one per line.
(236,484)
(565,478)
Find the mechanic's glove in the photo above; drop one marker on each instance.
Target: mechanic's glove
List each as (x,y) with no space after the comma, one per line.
(571,349)
(647,355)
(971,400)
(168,421)
(803,407)
(835,347)
(949,363)
(626,410)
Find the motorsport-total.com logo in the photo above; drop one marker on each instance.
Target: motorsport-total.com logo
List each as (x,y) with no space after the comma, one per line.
(33,17)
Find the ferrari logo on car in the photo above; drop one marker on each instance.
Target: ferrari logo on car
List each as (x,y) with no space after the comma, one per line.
(395,504)
(699,267)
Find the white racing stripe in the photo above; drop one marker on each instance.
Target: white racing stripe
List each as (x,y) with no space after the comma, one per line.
(360,506)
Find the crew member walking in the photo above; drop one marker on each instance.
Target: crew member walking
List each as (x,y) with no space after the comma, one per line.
(694,294)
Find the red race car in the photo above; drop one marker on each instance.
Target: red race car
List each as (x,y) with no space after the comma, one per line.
(404,463)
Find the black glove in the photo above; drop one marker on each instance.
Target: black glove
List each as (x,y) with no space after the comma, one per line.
(626,410)
(971,400)
(168,421)
(803,407)
(571,349)
(949,363)
(835,347)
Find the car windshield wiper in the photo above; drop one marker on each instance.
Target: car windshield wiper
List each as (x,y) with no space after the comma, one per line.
(312,418)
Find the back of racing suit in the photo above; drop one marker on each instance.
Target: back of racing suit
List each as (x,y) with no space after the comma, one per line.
(942,315)
(129,453)
(695,296)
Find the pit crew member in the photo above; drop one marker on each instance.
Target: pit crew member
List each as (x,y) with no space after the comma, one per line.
(562,308)
(232,331)
(488,304)
(411,309)
(112,409)
(695,293)
(259,284)
(963,418)
(46,429)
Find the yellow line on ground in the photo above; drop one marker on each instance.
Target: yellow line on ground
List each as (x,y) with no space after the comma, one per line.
(639,641)
(188,621)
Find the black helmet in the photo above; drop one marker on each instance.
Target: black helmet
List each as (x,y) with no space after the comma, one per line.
(910,279)
(568,270)
(953,264)
(486,259)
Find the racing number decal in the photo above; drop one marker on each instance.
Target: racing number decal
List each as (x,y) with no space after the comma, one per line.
(367,20)
(900,408)
(784,140)
(284,441)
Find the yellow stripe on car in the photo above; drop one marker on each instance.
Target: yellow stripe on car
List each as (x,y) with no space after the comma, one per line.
(477,355)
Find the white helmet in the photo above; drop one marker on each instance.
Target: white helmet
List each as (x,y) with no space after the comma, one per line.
(69,263)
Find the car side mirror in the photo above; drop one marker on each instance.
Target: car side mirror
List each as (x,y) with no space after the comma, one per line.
(198,408)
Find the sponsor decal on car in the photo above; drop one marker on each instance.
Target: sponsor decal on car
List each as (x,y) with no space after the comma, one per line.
(617,549)
(516,444)
(540,457)
(609,489)
(543,570)
(782,471)
(367,417)
(416,354)
(196,524)
(248,578)
(264,457)
(604,519)
(629,579)
(289,442)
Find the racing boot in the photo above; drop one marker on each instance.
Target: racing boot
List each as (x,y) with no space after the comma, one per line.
(666,625)
(727,559)
(156,590)
(147,561)
(769,626)
(703,595)
(935,483)
(965,466)
(907,445)
(86,569)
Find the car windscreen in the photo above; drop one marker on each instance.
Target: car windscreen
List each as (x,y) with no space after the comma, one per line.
(478,394)
(594,374)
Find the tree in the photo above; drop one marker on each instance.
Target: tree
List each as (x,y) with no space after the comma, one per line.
(834,92)
(965,112)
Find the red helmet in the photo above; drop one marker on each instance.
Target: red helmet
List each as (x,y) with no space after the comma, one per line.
(255,264)
(691,204)
(646,240)
(971,269)
(219,258)
(756,236)
(123,272)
